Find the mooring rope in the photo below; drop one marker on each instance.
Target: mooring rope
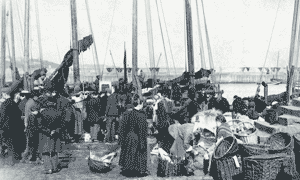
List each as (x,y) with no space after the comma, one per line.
(168,37)
(269,42)
(109,37)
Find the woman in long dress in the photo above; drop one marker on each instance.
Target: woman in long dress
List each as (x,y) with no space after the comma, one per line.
(133,140)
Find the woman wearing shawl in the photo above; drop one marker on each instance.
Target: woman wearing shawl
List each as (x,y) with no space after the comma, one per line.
(165,140)
(133,140)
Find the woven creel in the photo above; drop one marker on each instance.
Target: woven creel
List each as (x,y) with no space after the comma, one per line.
(280,142)
(247,150)
(226,148)
(262,167)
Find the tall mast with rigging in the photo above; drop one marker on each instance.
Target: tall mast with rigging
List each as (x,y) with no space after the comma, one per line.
(150,39)
(135,80)
(75,41)
(3,35)
(190,48)
(12,43)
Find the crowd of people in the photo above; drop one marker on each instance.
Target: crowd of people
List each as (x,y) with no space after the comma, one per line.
(34,124)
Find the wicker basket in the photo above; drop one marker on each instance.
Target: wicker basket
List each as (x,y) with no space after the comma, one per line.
(281,143)
(262,167)
(176,168)
(230,151)
(247,150)
(226,168)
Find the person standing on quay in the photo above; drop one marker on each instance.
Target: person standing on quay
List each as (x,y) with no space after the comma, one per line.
(133,140)
(31,127)
(11,128)
(112,114)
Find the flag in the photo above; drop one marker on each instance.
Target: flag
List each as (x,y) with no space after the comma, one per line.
(85,43)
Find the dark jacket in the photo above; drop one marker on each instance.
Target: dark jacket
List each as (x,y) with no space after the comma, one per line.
(48,121)
(112,105)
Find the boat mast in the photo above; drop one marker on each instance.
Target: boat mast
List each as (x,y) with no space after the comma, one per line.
(75,42)
(135,80)
(3,48)
(39,32)
(150,39)
(13,58)
(26,35)
(189,30)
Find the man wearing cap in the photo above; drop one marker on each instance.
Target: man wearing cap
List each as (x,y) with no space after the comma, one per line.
(31,126)
(11,127)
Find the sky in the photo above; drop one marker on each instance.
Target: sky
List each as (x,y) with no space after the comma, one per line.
(239,31)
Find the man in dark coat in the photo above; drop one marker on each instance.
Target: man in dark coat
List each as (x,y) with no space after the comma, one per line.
(103,100)
(31,128)
(112,114)
(133,140)
(12,129)
(50,125)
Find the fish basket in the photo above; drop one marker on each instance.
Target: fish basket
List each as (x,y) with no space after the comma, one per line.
(248,138)
(99,153)
(226,168)
(247,150)
(226,148)
(262,167)
(280,142)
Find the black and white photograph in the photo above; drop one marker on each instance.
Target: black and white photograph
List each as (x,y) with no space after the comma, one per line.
(150,89)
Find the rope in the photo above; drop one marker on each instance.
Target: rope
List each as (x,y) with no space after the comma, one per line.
(108,37)
(270,41)
(162,36)
(168,36)
(207,39)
